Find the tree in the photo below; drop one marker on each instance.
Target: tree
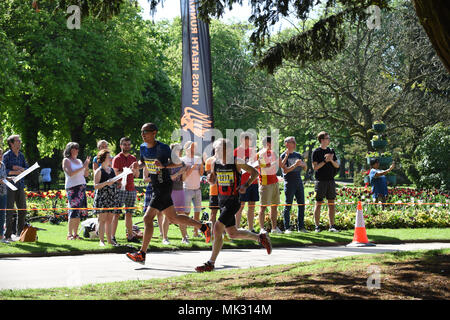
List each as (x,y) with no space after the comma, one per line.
(79,84)
(433,165)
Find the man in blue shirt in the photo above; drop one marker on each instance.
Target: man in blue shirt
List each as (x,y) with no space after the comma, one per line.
(15,164)
(157,157)
(292,164)
(378,180)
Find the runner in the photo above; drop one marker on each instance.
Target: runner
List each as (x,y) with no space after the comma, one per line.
(156,156)
(226,174)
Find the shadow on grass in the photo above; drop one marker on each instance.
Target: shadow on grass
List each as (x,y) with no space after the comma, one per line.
(416,278)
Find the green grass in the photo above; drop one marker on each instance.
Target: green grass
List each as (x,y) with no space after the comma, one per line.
(53,241)
(334,278)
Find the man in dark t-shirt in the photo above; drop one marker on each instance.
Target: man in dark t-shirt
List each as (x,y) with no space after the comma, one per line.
(291,165)
(157,157)
(325,166)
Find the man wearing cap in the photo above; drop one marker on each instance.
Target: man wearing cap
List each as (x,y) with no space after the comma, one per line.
(291,167)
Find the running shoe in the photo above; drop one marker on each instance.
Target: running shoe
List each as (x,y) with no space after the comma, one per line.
(138,257)
(166,242)
(185,241)
(206,267)
(207,233)
(333,229)
(264,240)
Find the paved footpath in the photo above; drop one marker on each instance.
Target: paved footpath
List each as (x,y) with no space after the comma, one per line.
(70,271)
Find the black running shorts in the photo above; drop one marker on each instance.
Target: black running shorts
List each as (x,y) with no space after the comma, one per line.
(161,197)
(228,209)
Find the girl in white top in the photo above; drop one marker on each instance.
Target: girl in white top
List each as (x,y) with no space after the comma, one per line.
(191,183)
(75,171)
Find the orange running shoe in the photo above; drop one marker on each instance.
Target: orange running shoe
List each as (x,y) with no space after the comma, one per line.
(207,233)
(138,257)
(206,267)
(264,240)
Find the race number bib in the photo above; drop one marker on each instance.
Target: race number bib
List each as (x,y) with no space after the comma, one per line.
(225,178)
(151,167)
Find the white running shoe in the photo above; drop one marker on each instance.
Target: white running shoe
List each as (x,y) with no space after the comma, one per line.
(166,242)
(276,230)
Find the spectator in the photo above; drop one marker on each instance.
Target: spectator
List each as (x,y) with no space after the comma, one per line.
(292,164)
(75,171)
(15,164)
(106,194)
(3,199)
(378,180)
(251,196)
(178,175)
(191,184)
(46,178)
(269,192)
(127,193)
(325,166)
(102,144)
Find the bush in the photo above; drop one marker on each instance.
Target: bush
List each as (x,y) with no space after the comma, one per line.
(433,158)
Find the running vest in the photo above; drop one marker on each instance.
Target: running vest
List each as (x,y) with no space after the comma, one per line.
(228,179)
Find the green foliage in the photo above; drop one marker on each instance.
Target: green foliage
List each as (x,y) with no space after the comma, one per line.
(433,158)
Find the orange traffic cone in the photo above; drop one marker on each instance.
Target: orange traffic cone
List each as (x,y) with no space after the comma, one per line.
(360,236)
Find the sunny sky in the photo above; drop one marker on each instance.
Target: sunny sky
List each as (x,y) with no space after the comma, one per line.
(171,10)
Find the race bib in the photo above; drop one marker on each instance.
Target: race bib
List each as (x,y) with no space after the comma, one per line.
(225,178)
(151,167)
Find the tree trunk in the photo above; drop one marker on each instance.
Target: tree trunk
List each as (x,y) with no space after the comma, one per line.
(30,150)
(434,16)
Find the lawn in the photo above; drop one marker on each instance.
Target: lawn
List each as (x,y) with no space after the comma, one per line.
(403,275)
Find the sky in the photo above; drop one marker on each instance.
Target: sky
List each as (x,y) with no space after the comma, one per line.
(171,10)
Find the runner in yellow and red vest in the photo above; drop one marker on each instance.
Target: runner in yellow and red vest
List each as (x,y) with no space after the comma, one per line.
(225,172)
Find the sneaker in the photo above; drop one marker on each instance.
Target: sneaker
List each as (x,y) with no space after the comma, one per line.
(4,240)
(113,239)
(166,242)
(206,267)
(303,230)
(333,229)
(185,241)
(207,233)
(138,257)
(276,230)
(264,240)
(287,231)
(317,229)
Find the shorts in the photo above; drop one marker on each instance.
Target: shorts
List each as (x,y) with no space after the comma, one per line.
(127,199)
(178,199)
(192,196)
(269,194)
(148,196)
(228,209)
(251,195)
(161,198)
(214,202)
(325,189)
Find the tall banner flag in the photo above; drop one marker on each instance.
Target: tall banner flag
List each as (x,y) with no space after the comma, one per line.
(196,85)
